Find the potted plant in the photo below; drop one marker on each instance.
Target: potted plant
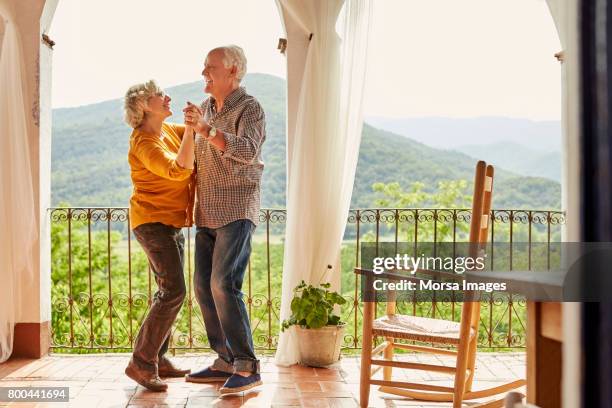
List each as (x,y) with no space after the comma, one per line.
(319,330)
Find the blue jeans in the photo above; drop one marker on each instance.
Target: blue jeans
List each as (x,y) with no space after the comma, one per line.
(221,258)
(164,246)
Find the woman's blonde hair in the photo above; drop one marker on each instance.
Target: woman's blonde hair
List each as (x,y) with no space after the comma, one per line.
(136,101)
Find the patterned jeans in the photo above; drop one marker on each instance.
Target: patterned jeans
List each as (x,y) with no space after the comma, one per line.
(164,246)
(221,258)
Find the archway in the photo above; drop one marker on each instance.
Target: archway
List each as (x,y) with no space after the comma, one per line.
(38,65)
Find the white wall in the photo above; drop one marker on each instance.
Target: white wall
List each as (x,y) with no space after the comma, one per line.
(1,31)
(32,19)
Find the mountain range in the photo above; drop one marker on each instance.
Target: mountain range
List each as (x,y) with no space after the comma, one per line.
(90,144)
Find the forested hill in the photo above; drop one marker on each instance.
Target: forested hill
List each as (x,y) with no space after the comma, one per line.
(90,143)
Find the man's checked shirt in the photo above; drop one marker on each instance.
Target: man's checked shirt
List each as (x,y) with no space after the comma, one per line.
(229,183)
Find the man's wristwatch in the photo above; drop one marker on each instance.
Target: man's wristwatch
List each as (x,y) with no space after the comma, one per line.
(211,133)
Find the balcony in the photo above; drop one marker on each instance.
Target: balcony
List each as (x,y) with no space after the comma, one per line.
(102,287)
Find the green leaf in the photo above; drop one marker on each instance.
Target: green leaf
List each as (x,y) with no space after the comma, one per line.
(317,318)
(335,298)
(333,320)
(304,306)
(296,304)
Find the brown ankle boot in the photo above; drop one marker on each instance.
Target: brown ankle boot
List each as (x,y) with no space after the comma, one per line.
(150,381)
(167,369)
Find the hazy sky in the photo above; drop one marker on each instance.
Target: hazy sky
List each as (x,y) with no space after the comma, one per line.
(453,58)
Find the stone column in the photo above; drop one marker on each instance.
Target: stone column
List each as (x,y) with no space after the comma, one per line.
(297,49)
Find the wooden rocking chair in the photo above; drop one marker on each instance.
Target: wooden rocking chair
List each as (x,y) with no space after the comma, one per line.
(462,335)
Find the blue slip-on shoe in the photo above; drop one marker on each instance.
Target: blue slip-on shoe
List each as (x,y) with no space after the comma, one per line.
(207,375)
(237,383)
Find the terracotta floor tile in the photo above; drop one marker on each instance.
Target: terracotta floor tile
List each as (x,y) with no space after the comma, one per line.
(259,399)
(333,386)
(291,385)
(143,393)
(309,386)
(228,402)
(26,368)
(167,401)
(314,402)
(302,370)
(278,378)
(270,386)
(284,395)
(104,395)
(12,364)
(201,402)
(328,369)
(103,385)
(285,401)
(98,381)
(352,379)
(304,377)
(270,367)
(342,403)
(204,392)
(113,402)
(329,376)
(75,369)
(87,401)
(327,394)
(54,369)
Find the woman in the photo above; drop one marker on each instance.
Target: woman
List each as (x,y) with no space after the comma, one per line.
(161,158)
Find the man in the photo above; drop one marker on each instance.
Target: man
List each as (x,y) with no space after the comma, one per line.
(230,131)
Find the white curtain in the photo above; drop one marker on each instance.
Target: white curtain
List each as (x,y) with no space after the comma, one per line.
(559,11)
(324,142)
(18,230)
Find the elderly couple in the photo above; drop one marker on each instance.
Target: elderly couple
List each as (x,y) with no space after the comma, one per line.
(223,138)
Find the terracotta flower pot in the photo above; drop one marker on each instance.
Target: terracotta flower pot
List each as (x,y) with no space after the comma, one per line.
(320,347)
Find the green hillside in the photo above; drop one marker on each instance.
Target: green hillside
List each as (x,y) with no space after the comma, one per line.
(90,144)
(518,158)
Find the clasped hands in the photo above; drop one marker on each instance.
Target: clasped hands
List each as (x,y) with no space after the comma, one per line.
(193,118)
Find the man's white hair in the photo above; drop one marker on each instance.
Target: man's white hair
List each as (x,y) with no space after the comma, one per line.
(233,55)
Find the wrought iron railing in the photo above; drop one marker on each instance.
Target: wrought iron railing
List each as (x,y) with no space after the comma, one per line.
(102,285)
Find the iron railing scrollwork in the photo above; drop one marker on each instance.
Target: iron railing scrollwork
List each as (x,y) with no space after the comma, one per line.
(103,287)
